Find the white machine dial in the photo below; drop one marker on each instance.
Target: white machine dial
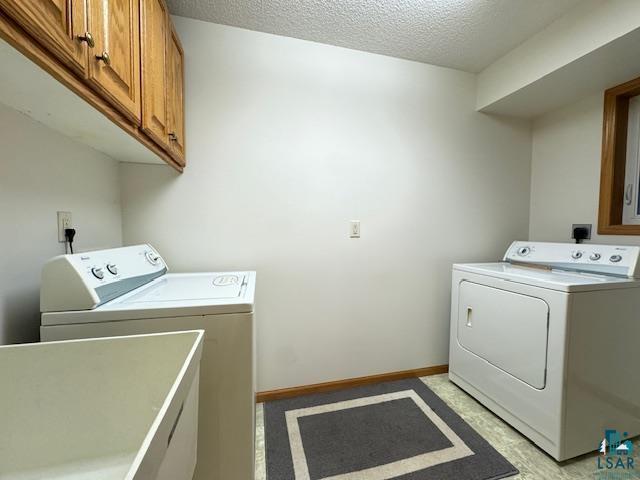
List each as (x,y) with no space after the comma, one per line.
(152,257)
(595,257)
(576,255)
(98,273)
(615,258)
(524,251)
(113,269)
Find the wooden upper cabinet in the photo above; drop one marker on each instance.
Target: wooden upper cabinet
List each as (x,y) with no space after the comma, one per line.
(123,57)
(58,25)
(114,62)
(154,38)
(176,97)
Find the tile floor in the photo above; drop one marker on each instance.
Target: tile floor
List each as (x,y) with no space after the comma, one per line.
(532,462)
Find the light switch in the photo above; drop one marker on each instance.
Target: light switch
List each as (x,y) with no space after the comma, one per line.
(354,229)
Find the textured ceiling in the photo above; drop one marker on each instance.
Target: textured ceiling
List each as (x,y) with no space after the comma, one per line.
(463,34)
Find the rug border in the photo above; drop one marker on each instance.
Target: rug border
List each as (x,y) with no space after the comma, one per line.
(435,402)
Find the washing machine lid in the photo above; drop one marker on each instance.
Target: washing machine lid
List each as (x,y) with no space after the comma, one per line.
(185,289)
(562,280)
(171,295)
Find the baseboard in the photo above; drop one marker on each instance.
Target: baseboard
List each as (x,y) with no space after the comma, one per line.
(348,383)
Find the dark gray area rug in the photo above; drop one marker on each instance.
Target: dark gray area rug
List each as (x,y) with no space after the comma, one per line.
(393,430)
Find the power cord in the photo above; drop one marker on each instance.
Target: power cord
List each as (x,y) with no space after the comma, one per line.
(69,234)
(580,234)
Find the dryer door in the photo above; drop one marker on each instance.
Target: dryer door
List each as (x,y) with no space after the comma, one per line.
(507,329)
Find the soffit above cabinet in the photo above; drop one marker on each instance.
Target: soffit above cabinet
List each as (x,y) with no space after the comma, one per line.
(597,71)
(590,49)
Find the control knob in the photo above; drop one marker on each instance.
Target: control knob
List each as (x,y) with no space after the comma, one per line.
(595,257)
(113,269)
(524,251)
(152,257)
(615,258)
(576,255)
(98,273)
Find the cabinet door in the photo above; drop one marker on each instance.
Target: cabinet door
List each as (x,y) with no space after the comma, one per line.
(114,66)
(154,25)
(58,25)
(176,97)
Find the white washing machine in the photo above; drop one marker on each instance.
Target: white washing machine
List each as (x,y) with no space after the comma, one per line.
(127,291)
(548,340)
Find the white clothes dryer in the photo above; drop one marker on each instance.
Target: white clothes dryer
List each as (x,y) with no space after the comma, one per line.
(548,340)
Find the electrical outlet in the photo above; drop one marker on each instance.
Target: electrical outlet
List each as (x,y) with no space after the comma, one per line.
(354,229)
(64,222)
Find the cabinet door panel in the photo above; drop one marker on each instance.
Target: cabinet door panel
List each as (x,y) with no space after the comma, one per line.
(154,39)
(176,98)
(114,66)
(56,25)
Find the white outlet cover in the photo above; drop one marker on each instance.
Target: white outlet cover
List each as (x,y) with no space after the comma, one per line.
(354,229)
(64,221)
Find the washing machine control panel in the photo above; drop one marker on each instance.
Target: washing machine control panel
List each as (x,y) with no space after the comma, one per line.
(617,260)
(83,281)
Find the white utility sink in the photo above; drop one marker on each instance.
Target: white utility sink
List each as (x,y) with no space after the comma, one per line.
(118,408)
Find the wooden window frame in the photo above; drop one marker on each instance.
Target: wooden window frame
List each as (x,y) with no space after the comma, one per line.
(614,153)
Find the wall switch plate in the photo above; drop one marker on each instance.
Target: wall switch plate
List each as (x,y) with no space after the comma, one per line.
(587,226)
(64,222)
(354,229)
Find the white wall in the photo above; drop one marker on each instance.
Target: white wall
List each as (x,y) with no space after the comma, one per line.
(565,172)
(289,140)
(42,172)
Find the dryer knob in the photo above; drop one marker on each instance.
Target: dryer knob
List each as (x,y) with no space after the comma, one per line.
(576,255)
(615,258)
(113,269)
(152,258)
(524,251)
(595,257)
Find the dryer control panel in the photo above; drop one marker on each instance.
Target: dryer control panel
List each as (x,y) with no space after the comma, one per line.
(619,260)
(82,281)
